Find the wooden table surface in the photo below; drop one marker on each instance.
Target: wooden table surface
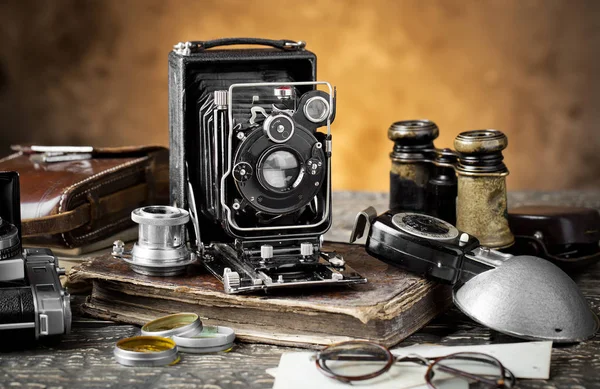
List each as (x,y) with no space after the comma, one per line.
(84,358)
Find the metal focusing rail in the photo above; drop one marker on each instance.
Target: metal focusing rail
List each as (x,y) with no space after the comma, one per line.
(239,276)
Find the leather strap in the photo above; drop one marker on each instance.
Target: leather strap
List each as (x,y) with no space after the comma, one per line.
(576,261)
(86,213)
(283,44)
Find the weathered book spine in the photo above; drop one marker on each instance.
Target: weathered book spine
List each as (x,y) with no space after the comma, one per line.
(293,326)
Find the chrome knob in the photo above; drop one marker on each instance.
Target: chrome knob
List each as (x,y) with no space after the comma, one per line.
(306,249)
(266,251)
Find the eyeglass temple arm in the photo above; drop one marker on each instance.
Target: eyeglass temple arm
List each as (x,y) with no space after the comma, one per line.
(457,372)
(462,373)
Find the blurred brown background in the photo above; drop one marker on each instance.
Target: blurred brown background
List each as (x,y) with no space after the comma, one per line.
(95,72)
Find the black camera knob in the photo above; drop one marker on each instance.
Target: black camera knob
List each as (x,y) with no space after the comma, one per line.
(314,166)
(242,172)
(279,128)
(283,92)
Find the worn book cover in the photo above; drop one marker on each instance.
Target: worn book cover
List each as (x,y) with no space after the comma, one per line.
(389,307)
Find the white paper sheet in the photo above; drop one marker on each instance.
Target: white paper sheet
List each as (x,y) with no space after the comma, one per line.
(525,360)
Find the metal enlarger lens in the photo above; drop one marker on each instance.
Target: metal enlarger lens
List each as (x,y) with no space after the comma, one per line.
(161,248)
(146,351)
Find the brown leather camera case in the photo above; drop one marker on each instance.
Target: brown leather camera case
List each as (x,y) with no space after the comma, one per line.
(71,204)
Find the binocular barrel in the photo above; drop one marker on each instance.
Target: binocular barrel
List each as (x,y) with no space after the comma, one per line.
(465,187)
(481,206)
(411,163)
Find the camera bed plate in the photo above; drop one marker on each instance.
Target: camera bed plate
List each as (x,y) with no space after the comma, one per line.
(239,276)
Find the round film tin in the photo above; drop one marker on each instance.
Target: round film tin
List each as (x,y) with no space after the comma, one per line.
(146,351)
(211,339)
(183,324)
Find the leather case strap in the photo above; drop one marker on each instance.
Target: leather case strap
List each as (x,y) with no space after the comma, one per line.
(283,44)
(76,202)
(84,214)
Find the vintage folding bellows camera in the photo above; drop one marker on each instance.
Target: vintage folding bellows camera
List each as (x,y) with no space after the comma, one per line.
(33,303)
(250,144)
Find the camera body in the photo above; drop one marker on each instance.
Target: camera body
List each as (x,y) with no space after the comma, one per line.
(465,187)
(251,145)
(33,301)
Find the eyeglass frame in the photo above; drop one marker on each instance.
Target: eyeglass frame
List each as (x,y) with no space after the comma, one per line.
(429,362)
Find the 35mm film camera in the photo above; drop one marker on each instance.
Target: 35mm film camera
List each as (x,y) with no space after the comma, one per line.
(33,303)
(466,187)
(251,160)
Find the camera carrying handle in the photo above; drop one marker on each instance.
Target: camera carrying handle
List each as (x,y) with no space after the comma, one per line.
(283,44)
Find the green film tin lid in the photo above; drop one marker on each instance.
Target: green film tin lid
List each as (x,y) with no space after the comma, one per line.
(211,339)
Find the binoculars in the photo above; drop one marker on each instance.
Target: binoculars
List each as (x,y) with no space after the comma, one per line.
(465,187)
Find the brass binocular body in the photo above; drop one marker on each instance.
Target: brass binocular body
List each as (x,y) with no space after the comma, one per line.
(465,187)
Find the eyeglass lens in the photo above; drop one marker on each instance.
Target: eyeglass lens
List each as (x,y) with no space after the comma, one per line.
(360,360)
(479,370)
(355,360)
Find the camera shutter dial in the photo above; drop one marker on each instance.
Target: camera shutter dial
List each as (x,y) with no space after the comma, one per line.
(242,172)
(282,180)
(425,226)
(279,128)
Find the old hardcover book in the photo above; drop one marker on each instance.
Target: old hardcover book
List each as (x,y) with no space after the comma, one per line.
(387,309)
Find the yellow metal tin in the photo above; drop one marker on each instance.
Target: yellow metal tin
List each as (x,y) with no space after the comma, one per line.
(146,351)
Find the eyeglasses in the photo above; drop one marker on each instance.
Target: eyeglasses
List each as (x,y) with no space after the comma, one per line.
(362,360)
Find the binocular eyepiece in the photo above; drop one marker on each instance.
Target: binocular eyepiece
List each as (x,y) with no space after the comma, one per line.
(465,187)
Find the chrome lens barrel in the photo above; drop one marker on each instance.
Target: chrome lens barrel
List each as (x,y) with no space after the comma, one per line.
(161,249)
(10,245)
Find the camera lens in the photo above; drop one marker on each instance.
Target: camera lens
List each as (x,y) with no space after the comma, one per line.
(9,240)
(280,169)
(316,109)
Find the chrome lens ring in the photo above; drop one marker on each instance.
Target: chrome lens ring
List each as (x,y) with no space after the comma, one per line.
(279,128)
(9,235)
(316,109)
(161,215)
